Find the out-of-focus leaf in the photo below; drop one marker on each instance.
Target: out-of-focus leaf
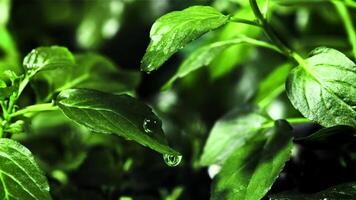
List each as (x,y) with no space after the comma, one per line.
(230,133)
(345,191)
(204,55)
(250,171)
(20,176)
(91,71)
(234,55)
(273,84)
(101,21)
(174,30)
(330,137)
(4,12)
(47,58)
(9,58)
(324,89)
(122,115)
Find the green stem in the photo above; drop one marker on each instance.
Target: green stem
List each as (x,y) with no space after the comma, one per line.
(350,30)
(14,98)
(245,21)
(299,120)
(273,37)
(349,3)
(259,43)
(268,29)
(35,108)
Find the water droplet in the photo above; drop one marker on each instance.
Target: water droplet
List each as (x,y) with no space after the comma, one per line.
(172,160)
(149,125)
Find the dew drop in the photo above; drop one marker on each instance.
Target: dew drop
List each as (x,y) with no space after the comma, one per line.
(172,160)
(149,125)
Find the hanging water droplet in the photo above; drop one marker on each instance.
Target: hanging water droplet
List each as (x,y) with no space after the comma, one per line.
(149,125)
(172,160)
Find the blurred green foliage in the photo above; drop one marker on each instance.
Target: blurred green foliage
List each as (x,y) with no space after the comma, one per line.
(109,38)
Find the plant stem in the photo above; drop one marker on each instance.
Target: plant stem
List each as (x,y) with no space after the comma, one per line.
(349,3)
(299,120)
(346,18)
(35,108)
(271,34)
(245,21)
(259,43)
(268,29)
(14,98)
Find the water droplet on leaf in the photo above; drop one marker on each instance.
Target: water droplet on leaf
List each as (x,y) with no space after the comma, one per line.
(172,160)
(149,125)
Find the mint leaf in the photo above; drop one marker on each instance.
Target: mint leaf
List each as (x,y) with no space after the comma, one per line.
(324,90)
(272,85)
(4,12)
(101,21)
(20,176)
(200,58)
(174,30)
(330,137)
(235,55)
(9,56)
(231,132)
(206,54)
(122,115)
(345,191)
(46,58)
(91,71)
(249,173)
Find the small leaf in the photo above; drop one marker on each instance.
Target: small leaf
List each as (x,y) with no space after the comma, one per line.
(249,172)
(174,30)
(231,132)
(46,58)
(324,90)
(20,176)
(122,115)
(345,191)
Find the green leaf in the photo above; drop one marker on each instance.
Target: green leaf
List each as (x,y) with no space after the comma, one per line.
(204,55)
(122,115)
(9,57)
(272,85)
(249,172)
(331,137)
(200,58)
(237,54)
(101,21)
(174,30)
(4,12)
(324,89)
(20,176)
(46,58)
(91,71)
(345,191)
(231,132)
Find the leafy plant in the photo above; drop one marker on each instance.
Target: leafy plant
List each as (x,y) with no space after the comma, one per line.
(84,107)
